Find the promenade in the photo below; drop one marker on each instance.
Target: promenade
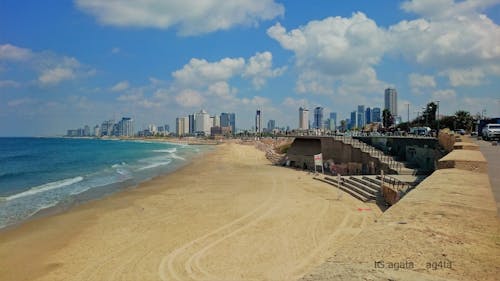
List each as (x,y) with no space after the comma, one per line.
(492,155)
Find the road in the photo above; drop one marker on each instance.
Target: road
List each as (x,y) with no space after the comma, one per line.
(492,155)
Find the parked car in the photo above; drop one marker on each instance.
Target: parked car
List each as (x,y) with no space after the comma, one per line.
(491,131)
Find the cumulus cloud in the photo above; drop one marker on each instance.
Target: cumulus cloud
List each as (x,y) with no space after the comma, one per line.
(55,75)
(202,72)
(14,53)
(332,50)
(51,68)
(421,82)
(189,98)
(453,37)
(444,95)
(259,69)
(190,17)
(120,86)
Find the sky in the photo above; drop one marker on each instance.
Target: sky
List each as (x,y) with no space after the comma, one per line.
(66,64)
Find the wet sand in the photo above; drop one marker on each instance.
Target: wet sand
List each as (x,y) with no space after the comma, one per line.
(229,215)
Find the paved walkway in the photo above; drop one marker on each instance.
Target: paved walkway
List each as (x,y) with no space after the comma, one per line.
(492,155)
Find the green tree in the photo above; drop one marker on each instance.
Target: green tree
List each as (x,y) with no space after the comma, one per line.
(464,120)
(387,118)
(343,125)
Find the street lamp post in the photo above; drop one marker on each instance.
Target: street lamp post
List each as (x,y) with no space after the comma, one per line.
(437,118)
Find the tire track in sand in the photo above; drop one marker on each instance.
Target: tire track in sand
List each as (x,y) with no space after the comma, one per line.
(167,263)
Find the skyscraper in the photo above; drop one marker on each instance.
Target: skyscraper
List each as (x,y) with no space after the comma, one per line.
(192,124)
(368,115)
(333,118)
(126,127)
(228,120)
(303,118)
(318,118)
(354,120)
(258,121)
(391,101)
(361,116)
(376,115)
(202,121)
(271,124)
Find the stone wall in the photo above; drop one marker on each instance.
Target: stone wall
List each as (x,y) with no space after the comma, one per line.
(447,228)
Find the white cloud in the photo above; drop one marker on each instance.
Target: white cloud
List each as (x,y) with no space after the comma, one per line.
(259,69)
(190,17)
(55,75)
(453,37)
(334,51)
(10,52)
(189,98)
(444,95)
(201,72)
(120,86)
(222,90)
(465,77)
(421,81)
(9,83)
(51,68)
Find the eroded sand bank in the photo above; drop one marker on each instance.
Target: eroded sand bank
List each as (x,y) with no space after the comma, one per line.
(228,216)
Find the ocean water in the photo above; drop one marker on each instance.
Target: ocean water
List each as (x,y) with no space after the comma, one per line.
(41,173)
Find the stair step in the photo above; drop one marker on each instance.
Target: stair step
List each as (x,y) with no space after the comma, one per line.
(359,190)
(352,192)
(363,187)
(371,185)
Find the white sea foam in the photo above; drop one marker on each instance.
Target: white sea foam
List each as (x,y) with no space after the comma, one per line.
(45,187)
(119,165)
(170,150)
(175,156)
(154,165)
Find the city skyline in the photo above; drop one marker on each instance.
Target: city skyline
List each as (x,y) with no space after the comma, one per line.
(88,61)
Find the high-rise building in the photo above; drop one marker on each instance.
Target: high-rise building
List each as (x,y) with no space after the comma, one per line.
(361,116)
(376,117)
(107,128)
(391,101)
(97,131)
(228,120)
(318,118)
(368,115)
(202,120)
(182,126)
(354,120)
(258,121)
(216,121)
(192,124)
(271,125)
(333,118)
(167,127)
(126,127)
(303,118)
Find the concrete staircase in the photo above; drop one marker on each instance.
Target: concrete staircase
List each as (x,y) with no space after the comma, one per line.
(355,186)
(397,167)
(367,188)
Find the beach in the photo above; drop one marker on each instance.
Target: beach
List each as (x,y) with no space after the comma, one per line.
(228,215)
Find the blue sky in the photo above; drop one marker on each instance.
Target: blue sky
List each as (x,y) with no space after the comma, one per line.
(71,63)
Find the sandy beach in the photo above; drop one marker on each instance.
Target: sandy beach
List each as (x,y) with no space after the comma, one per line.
(230,215)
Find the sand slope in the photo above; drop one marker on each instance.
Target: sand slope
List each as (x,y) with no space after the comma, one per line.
(229,216)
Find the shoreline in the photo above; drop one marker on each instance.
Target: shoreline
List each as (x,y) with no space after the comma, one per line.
(262,221)
(99,193)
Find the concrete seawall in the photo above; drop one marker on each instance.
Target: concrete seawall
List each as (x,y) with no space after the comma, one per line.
(447,228)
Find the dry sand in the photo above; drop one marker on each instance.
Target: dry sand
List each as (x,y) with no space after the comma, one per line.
(230,216)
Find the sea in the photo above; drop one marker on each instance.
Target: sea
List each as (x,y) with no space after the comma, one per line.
(40,174)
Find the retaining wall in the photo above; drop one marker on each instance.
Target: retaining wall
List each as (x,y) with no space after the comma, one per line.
(447,228)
